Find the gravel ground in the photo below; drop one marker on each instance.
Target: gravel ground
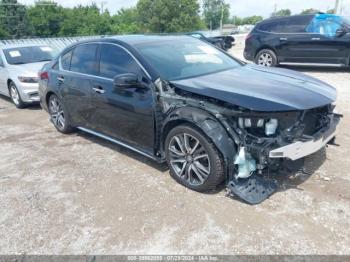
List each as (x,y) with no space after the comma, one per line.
(75,194)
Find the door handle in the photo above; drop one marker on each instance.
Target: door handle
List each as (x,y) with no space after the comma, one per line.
(98,89)
(60,79)
(283,38)
(315,39)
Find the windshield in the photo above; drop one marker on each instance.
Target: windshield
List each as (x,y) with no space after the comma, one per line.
(28,54)
(185,58)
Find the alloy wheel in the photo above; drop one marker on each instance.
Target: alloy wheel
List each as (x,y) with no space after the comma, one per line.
(14,95)
(189,159)
(57,113)
(265,59)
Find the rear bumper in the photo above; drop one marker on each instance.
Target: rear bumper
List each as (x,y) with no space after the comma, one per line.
(301,149)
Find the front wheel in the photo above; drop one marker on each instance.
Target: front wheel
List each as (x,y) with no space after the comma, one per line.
(193,160)
(15,96)
(266,57)
(58,114)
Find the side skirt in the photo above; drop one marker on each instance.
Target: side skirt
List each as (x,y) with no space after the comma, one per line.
(115,141)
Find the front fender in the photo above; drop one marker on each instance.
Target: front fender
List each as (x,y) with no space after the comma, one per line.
(210,126)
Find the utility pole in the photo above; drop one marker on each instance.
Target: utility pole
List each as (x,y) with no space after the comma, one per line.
(102,6)
(222,15)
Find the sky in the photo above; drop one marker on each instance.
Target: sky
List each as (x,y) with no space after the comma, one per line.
(240,8)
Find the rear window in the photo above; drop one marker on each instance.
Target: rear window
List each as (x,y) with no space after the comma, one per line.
(28,54)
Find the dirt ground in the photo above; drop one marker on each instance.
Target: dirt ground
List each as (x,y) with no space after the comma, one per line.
(75,194)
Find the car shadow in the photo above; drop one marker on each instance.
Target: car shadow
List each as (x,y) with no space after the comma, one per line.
(300,171)
(294,174)
(34,106)
(162,167)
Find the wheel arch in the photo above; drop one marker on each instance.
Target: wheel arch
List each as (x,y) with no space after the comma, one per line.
(208,124)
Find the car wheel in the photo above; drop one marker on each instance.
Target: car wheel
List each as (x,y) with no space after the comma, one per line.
(193,160)
(15,96)
(58,115)
(266,57)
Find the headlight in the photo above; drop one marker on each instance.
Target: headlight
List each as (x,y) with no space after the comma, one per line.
(270,125)
(28,79)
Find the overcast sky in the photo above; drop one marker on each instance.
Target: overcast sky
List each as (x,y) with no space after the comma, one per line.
(238,7)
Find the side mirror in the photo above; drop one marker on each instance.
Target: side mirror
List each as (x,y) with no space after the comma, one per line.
(340,32)
(126,80)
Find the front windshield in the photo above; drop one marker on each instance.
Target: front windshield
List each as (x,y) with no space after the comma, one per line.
(185,58)
(28,54)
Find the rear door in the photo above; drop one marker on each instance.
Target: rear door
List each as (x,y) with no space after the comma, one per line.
(293,39)
(79,66)
(123,113)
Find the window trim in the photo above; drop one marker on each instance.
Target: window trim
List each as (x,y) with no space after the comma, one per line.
(99,43)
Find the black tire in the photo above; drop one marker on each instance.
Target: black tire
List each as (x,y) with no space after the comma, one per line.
(213,164)
(266,57)
(15,96)
(59,115)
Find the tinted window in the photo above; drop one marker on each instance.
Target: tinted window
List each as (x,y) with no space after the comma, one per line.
(84,59)
(273,27)
(185,58)
(65,60)
(28,54)
(115,60)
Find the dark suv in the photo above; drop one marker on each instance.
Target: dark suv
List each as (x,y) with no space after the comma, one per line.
(320,39)
(181,100)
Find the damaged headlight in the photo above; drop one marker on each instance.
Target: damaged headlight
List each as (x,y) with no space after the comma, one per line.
(270,125)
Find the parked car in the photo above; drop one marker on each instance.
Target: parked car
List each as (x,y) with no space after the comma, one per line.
(181,100)
(19,66)
(221,41)
(320,39)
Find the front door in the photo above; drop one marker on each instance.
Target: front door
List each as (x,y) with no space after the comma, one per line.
(123,113)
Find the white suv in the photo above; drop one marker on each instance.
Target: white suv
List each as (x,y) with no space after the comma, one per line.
(19,66)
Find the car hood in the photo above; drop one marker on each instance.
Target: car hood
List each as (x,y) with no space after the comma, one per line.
(262,89)
(30,70)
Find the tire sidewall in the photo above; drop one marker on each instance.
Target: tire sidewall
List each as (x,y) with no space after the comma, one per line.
(20,104)
(270,52)
(216,175)
(67,127)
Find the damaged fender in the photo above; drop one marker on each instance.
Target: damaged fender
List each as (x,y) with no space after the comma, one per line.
(210,126)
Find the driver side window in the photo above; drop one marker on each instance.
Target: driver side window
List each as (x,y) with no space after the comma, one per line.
(325,27)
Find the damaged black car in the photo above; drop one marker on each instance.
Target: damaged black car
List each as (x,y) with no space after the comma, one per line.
(211,117)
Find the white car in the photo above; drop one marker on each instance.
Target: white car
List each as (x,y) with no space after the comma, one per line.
(19,66)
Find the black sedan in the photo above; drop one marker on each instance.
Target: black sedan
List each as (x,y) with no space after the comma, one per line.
(213,118)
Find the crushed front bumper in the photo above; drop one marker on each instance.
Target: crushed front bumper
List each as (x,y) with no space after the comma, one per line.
(301,149)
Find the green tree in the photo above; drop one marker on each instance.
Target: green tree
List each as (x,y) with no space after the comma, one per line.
(126,21)
(46,18)
(282,12)
(213,10)
(14,19)
(85,20)
(163,16)
(3,33)
(310,11)
(252,20)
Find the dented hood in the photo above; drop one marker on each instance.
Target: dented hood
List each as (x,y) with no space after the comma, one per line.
(262,89)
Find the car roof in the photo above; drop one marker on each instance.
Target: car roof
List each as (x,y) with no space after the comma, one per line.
(277,18)
(9,46)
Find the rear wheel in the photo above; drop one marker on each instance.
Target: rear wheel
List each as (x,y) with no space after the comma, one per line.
(15,96)
(266,57)
(58,114)
(193,160)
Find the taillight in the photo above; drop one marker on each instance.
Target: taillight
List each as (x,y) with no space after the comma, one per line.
(44,75)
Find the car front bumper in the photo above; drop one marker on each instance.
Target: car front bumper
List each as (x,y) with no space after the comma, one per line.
(29,92)
(301,149)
